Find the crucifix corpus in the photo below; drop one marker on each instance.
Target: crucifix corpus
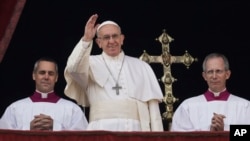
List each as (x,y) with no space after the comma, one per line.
(166,59)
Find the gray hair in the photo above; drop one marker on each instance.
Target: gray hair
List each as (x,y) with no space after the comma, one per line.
(215,55)
(48,59)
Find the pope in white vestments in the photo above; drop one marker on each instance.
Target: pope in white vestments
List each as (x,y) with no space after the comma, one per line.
(122,91)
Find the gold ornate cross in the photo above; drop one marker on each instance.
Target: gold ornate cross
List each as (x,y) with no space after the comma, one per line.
(166,59)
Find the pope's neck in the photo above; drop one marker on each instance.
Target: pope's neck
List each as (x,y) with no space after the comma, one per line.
(117,57)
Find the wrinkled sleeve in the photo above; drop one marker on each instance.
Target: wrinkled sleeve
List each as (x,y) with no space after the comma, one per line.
(76,72)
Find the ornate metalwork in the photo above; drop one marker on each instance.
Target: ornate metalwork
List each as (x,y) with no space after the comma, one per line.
(166,59)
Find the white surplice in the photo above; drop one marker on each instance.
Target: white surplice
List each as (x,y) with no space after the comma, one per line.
(90,81)
(66,115)
(195,114)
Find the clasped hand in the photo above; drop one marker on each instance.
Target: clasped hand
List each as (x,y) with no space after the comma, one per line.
(41,122)
(217,123)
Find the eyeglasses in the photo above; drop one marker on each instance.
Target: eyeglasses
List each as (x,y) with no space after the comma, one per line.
(211,72)
(108,37)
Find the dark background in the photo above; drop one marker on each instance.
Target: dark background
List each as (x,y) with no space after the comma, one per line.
(53,27)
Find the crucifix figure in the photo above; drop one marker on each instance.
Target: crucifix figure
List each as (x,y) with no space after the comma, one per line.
(116,88)
(166,59)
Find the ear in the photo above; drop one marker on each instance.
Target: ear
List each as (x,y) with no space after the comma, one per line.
(98,42)
(204,76)
(33,76)
(228,74)
(56,78)
(122,38)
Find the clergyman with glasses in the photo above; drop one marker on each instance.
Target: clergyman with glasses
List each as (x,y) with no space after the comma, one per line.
(122,91)
(217,108)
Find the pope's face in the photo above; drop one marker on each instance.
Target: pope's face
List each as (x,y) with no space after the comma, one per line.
(110,39)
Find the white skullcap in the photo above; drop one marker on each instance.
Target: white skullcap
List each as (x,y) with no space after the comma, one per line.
(106,23)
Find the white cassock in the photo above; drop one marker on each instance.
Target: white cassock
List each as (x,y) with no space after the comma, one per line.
(66,115)
(195,114)
(90,80)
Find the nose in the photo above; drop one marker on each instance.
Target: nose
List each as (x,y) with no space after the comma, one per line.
(214,75)
(46,75)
